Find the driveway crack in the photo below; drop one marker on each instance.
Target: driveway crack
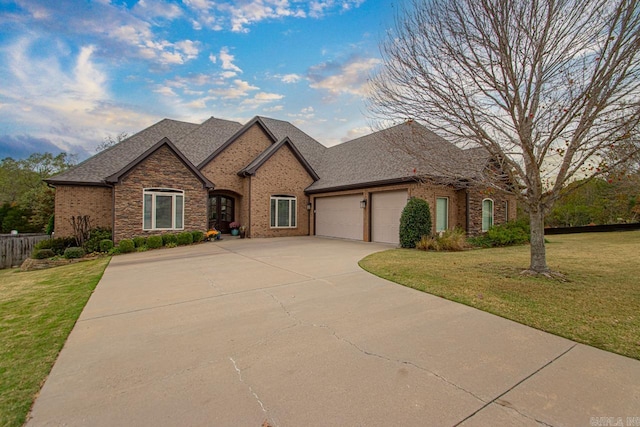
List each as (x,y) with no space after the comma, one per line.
(369,353)
(253,393)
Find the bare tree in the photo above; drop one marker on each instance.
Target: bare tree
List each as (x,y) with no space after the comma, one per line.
(110,141)
(81,225)
(546,87)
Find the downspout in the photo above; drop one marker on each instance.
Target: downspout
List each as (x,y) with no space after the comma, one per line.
(249,208)
(467,210)
(113,213)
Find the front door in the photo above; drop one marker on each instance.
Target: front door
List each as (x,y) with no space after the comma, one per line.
(220,212)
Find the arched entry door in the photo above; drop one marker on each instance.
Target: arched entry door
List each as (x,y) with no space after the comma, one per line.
(221,212)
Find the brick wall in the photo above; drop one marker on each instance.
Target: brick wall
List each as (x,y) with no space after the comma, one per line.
(74,200)
(162,169)
(223,170)
(456,211)
(281,174)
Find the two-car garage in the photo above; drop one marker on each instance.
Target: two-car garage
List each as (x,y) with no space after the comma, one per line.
(344,216)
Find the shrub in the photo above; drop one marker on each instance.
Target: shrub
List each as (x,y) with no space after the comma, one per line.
(184,238)
(453,240)
(139,241)
(428,243)
(198,236)
(114,251)
(106,245)
(58,245)
(169,238)
(73,252)
(126,245)
(96,235)
(449,240)
(154,242)
(171,245)
(142,248)
(415,222)
(507,234)
(42,254)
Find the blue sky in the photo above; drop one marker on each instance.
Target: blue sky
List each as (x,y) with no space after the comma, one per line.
(74,72)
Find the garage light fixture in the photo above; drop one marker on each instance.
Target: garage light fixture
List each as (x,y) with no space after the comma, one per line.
(309,206)
(363,203)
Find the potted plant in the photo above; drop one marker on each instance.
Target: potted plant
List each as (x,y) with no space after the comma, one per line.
(243,231)
(234,228)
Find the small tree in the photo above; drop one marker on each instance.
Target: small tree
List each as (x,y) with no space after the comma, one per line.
(81,226)
(415,222)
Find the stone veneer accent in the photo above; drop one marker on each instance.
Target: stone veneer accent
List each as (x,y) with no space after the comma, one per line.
(499,215)
(282,174)
(161,169)
(75,200)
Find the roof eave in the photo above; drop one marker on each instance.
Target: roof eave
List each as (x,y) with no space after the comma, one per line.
(235,136)
(116,177)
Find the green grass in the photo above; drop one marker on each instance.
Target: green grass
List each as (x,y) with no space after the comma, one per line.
(599,305)
(37,311)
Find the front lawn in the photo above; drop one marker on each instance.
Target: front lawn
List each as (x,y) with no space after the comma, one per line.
(599,305)
(38,309)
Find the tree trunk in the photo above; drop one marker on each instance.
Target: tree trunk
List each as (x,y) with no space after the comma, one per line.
(538,251)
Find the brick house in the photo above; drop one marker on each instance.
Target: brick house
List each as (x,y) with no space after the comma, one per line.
(274,179)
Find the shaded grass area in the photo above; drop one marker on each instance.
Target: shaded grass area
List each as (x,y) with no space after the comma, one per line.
(599,305)
(38,309)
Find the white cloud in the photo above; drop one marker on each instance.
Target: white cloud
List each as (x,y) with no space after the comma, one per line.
(157,8)
(269,109)
(350,77)
(356,132)
(305,114)
(262,98)
(165,90)
(240,15)
(188,48)
(227,60)
(67,105)
(290,78)
(239,89)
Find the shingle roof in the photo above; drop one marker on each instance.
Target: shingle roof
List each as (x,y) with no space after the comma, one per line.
(311,149)
(198,144)
(96,169)
(373,159)
(379,158)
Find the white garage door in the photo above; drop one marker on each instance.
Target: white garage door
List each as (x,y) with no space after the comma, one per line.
(339,216)
(386,208)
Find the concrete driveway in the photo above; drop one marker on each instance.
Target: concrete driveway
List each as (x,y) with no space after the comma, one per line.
(291,332)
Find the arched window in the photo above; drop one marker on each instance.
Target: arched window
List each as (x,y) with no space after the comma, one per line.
(487,214)
(163,209)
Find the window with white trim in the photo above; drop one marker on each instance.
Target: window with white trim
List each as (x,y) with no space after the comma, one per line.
(283,212)
(163,209)
(487,214)
(506,211)
(442,213)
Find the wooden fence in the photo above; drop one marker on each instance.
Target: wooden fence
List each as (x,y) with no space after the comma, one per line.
(15,248)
